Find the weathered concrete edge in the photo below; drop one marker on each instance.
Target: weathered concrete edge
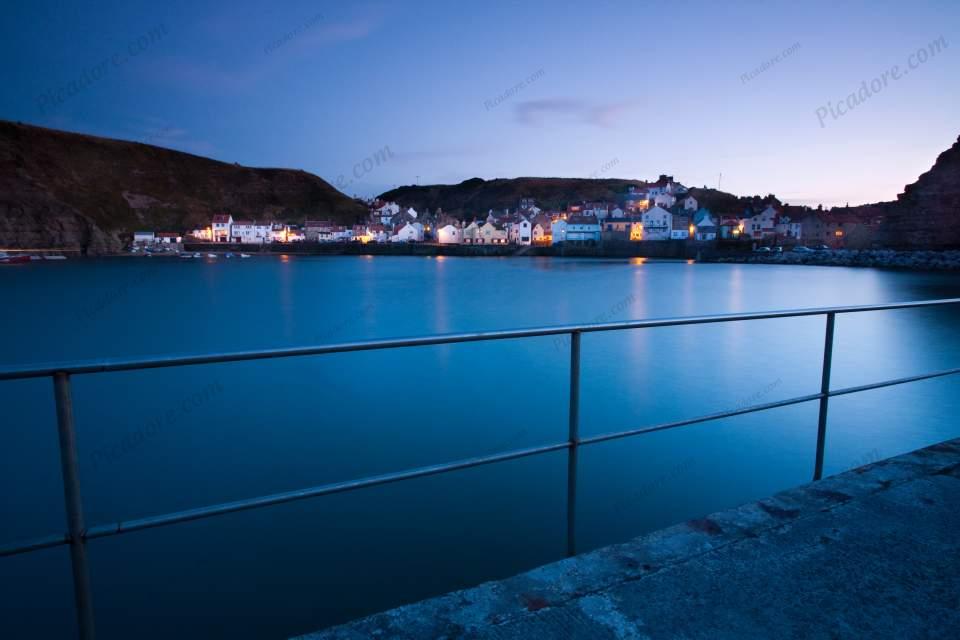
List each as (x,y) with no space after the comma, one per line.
(463,612)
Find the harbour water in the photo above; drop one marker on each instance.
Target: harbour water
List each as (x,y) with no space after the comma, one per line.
(170,439)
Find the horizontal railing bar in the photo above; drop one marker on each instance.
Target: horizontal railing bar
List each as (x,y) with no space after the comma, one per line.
(606,437)
(241,356)
(313,492)
(101,531)
(891,383)
(36,544)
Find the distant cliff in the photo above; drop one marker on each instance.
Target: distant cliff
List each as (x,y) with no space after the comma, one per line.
(927,213)
(74,191)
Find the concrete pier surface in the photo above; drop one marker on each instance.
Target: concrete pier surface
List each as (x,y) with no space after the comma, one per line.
(870,553)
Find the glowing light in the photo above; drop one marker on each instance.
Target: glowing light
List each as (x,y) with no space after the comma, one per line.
(638,261)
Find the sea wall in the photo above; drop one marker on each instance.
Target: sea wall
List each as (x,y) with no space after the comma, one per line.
(877,258)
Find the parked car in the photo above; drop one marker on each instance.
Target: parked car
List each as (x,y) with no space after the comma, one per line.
(762,250)
(802,249)
(778,249)
(821,247)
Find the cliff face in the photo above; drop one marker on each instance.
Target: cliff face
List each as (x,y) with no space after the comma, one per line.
(73,191)
(927,213)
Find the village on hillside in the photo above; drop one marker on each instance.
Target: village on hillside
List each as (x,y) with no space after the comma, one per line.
(664,210)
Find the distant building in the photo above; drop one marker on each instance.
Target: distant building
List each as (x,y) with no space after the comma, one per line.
(706,226)
(520,231)
(657,224)
(386,212)
(449,234)
(491,233)
(143,237)
(576,230)
(541,231)
(318,230)
(680,226)
(410,232)
(169,237)
(763,225)
(221,227)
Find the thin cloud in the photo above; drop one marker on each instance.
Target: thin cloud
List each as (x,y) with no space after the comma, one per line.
(534,113)
(244,71)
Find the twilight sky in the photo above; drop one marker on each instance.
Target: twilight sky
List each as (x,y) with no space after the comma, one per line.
(506,89)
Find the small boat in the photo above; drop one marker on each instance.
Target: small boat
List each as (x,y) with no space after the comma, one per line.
(36,258)
(228,255)
(197,255)
(211,255)
(6,258)
(54,257)
(186,256)
(244,255)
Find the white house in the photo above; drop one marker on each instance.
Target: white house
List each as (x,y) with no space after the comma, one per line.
(521,232)
(169,237)
(471,233)
(387,211)
(262,231)
(616,213)
(412,213)
(762,225)
(250,232)
(788,227)
(490,233)
(690,203)
(243,231)
(410,232)
(143,237)
(221,227)
(449,234)
(657,224)
(664,200)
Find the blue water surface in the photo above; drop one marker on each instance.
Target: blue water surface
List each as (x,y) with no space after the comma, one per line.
(169,439)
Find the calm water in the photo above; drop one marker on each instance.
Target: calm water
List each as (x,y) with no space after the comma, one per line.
(163,440)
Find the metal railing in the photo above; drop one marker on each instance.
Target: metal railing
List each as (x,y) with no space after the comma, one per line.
(78,533)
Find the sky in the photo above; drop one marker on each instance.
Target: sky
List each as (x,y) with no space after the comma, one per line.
(753,97)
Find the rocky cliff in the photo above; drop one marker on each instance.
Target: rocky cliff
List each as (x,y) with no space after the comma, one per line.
(74,191)
(927,213)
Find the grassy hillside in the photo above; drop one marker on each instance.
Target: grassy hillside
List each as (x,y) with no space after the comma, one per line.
(78,191)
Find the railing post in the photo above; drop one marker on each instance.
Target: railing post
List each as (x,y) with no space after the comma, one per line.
(824,399)
(574,440)
(70,470)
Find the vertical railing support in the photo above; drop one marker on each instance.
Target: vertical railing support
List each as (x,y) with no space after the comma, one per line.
(824,399)
(70,469)
(574,440)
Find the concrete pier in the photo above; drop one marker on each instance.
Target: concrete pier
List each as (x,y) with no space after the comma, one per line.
(870,553)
